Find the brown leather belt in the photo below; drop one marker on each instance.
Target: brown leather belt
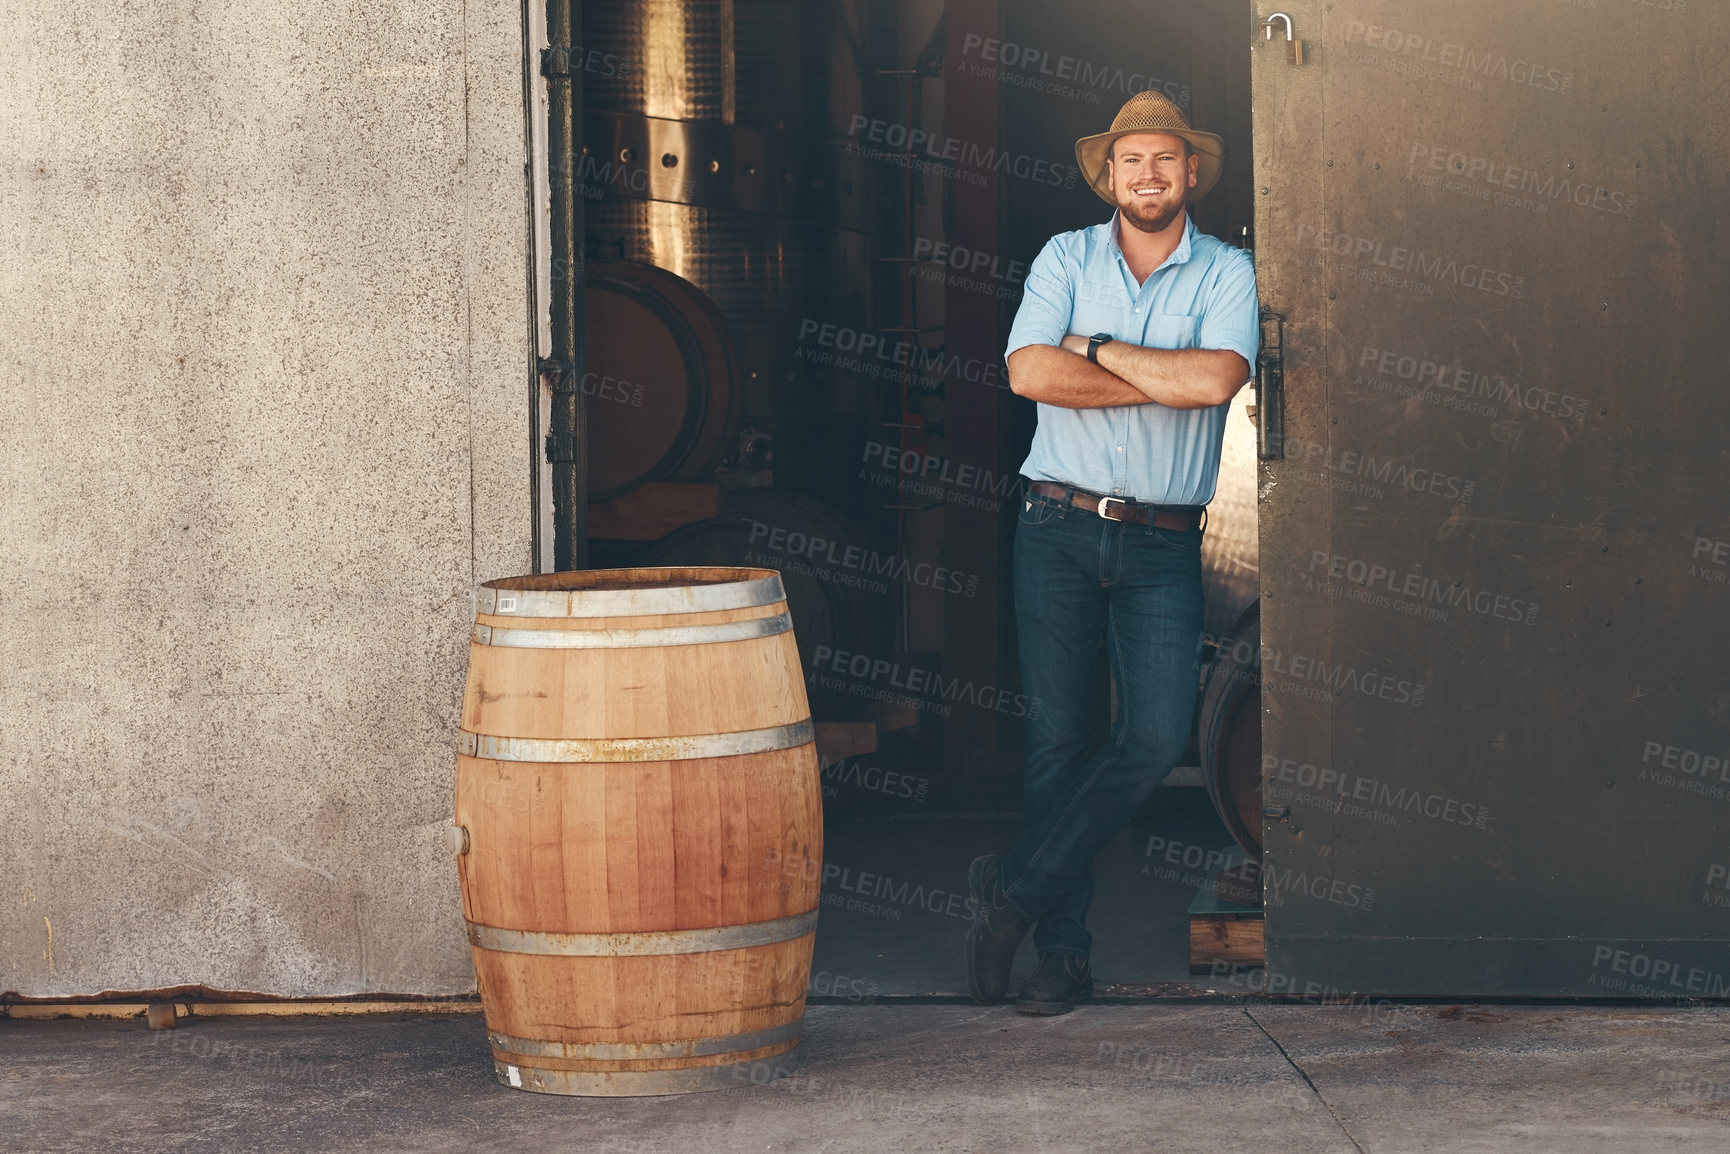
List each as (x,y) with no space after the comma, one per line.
(1120,508)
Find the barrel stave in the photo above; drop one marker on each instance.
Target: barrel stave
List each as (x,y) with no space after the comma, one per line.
(662,690)
(706,842)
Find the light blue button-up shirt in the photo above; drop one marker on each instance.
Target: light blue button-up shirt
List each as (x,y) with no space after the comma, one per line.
(1202,297)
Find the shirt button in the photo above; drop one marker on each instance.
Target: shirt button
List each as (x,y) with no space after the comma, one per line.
(1120,448)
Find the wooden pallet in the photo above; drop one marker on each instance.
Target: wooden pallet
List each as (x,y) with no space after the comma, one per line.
(1222,932)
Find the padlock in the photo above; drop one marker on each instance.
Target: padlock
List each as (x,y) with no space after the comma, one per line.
(1294,48)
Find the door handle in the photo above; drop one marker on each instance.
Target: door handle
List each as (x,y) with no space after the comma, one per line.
(1270,388)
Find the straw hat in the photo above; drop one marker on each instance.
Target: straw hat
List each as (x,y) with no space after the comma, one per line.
(1149,112)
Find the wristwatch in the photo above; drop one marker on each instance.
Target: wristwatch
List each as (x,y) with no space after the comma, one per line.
(1093,344)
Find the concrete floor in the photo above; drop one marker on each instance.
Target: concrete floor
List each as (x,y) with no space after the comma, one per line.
(937,1074)
(1144,1077)
(1152,1076)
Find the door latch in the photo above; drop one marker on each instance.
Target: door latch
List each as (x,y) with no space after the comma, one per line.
(1270,388)
(1294,48)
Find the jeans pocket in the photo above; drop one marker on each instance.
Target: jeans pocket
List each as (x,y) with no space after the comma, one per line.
(1037,511)
(1189,539)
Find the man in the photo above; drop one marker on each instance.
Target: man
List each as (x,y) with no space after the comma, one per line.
(1133,336)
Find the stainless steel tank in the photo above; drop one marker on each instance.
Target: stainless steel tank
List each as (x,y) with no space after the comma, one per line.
(712,131)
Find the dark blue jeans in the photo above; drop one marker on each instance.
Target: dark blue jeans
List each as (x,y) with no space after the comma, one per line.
(1082,582)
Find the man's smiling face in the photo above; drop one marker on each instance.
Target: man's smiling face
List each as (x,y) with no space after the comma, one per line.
(1151,175)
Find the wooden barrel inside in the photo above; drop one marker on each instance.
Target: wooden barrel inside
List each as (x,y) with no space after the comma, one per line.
(662,380)
(1230,731)
(639,829)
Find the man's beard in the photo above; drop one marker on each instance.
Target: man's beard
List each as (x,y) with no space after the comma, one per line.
(1135,212)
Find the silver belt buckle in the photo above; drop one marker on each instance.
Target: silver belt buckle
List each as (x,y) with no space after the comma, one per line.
(1105,502)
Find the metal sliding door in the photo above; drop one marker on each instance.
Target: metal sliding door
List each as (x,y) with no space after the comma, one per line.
(1496,534)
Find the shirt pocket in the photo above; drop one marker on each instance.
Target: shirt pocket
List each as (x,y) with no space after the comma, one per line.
(1171,331)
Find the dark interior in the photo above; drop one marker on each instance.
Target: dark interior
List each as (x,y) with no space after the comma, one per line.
(846,210)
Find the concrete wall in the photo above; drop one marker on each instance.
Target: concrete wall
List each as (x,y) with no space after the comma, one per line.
(263,314)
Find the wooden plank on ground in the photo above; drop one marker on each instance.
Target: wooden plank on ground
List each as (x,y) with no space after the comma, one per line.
(1223,932)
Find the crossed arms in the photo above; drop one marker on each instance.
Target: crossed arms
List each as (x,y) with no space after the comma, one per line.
(1126,374)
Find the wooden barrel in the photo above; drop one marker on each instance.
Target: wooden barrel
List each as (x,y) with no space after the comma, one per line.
(639,829)
(1229,730)
(1231,550)
(663,381)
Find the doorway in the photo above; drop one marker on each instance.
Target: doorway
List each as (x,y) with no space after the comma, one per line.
(806,228)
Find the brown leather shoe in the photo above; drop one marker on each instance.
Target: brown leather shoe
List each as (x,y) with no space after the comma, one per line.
(994,935)
(1060,981)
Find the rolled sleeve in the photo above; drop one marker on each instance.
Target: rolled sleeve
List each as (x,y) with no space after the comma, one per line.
(1231,318)
(1047,301)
